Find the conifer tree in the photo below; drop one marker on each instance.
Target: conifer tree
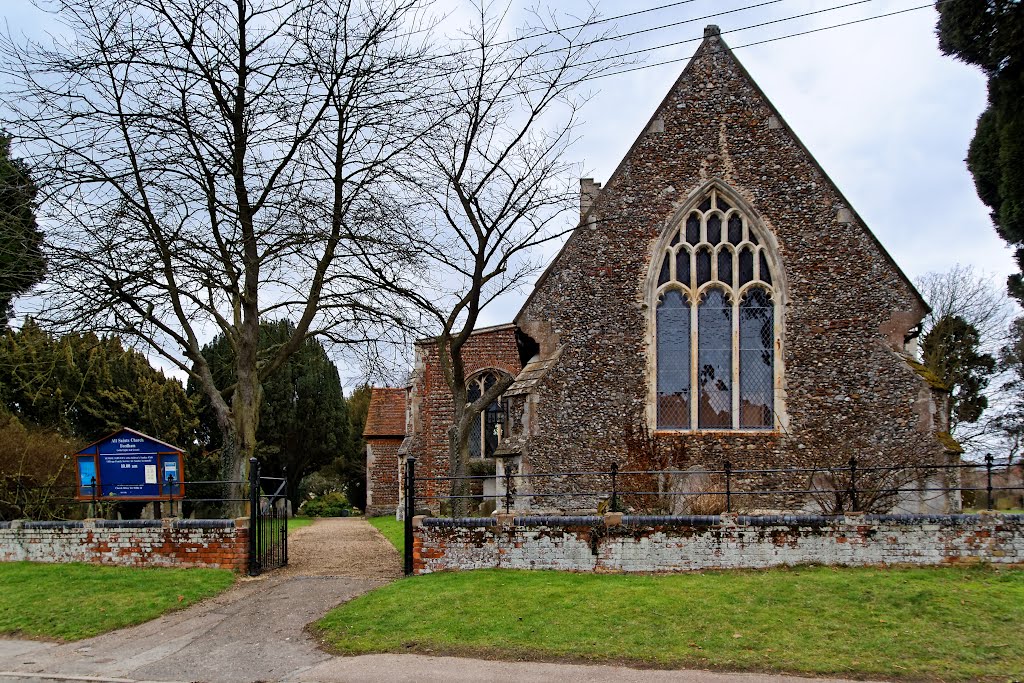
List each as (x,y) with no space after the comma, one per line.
(950,349)
(990,34)
(303,423)
(21,259)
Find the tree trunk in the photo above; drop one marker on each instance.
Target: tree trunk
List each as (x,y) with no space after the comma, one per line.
(458,460)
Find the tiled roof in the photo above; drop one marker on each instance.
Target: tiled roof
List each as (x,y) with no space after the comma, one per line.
(386,416)
(532,374)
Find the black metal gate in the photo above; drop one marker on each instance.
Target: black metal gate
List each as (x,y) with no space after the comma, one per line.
(268,521)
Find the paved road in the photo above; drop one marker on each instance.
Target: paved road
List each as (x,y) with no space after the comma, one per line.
(255,632)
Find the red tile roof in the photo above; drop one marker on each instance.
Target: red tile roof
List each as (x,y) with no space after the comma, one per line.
(386,416)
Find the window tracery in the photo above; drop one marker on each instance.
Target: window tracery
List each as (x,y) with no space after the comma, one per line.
(484,434)
(715,323)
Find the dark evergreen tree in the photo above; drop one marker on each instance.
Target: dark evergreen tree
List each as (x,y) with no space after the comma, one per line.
(303,418)
(21,258)
(990,34)
(88,386)
(950,350)
(351,466)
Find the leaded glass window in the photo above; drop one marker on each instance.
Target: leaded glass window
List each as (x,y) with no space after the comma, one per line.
(484,433)
(715,322)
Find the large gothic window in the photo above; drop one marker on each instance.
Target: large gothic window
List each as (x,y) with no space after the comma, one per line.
(715,323)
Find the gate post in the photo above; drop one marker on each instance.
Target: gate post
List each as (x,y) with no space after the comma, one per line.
(410,510)
(287,502)
(254,516)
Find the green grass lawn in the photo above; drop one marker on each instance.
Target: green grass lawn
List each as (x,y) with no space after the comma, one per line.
(299,522)
(947,623)
(393,530)
(74,601)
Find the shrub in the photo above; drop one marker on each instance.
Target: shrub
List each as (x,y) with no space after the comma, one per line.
(37,479)
(331,504)
(320,484)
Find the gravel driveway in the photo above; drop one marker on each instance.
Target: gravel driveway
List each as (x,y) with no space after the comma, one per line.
(341,546)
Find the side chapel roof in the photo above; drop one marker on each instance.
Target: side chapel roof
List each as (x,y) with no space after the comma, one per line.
(386,415)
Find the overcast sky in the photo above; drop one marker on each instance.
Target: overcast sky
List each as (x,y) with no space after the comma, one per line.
(885,113)
(888,117)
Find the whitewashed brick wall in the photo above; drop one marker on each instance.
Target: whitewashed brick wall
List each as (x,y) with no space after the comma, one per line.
(666,544)
(136,543)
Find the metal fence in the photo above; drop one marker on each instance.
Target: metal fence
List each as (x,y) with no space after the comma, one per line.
(848,487)
(262,499)
(852,486)
(56,502)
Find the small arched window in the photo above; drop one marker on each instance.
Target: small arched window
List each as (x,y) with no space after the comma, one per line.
(485,433)
(715,323)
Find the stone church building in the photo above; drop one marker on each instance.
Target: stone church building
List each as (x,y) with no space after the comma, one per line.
(720,301)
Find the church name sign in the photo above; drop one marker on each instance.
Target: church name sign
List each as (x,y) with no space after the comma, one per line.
(129,465)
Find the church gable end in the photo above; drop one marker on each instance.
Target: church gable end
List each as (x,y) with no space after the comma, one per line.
(840,308)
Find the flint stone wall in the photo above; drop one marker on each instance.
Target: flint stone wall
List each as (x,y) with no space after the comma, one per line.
(846,391)
(617,543)
(211,543)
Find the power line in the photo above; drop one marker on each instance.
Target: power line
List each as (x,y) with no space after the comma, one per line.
(761,42)
(698,39)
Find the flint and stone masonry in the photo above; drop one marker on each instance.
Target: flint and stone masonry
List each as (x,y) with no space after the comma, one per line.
(846,318)
(618,543)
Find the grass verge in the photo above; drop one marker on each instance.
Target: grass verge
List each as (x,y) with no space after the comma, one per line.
(947,623)
(74,601)
(299,522)
(392,529)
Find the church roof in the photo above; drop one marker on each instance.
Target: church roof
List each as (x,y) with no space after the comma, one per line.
(713,43)
(531,374)
(386,415)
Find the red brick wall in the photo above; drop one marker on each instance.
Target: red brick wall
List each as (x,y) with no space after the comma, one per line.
(149,543)
(382,475)
(491,348)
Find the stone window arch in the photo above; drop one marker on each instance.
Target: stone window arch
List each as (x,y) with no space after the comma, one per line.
(484,434)
(715,314)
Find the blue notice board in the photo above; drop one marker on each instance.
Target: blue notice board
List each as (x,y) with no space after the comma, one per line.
(130,464)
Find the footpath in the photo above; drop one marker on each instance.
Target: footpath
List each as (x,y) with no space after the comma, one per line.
(256,632)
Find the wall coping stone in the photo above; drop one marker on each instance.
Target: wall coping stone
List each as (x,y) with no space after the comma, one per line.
(460,521)
(171,523)
(730,519)
(203,524)
(26,524)
(560,520)
(128,523)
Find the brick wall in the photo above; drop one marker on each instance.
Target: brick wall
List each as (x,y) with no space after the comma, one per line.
(137,543)
(382,475)
(619,543)
(431,400)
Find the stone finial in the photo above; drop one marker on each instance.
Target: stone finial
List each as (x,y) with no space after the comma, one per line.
(588,193)
(712,30)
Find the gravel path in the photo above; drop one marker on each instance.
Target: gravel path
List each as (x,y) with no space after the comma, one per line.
(341,546)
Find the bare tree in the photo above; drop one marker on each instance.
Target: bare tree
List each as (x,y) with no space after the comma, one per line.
(492,183)
(209,164)
(975,303)
(966,293)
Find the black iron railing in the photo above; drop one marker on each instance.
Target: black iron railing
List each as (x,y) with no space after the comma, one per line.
(850,487)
